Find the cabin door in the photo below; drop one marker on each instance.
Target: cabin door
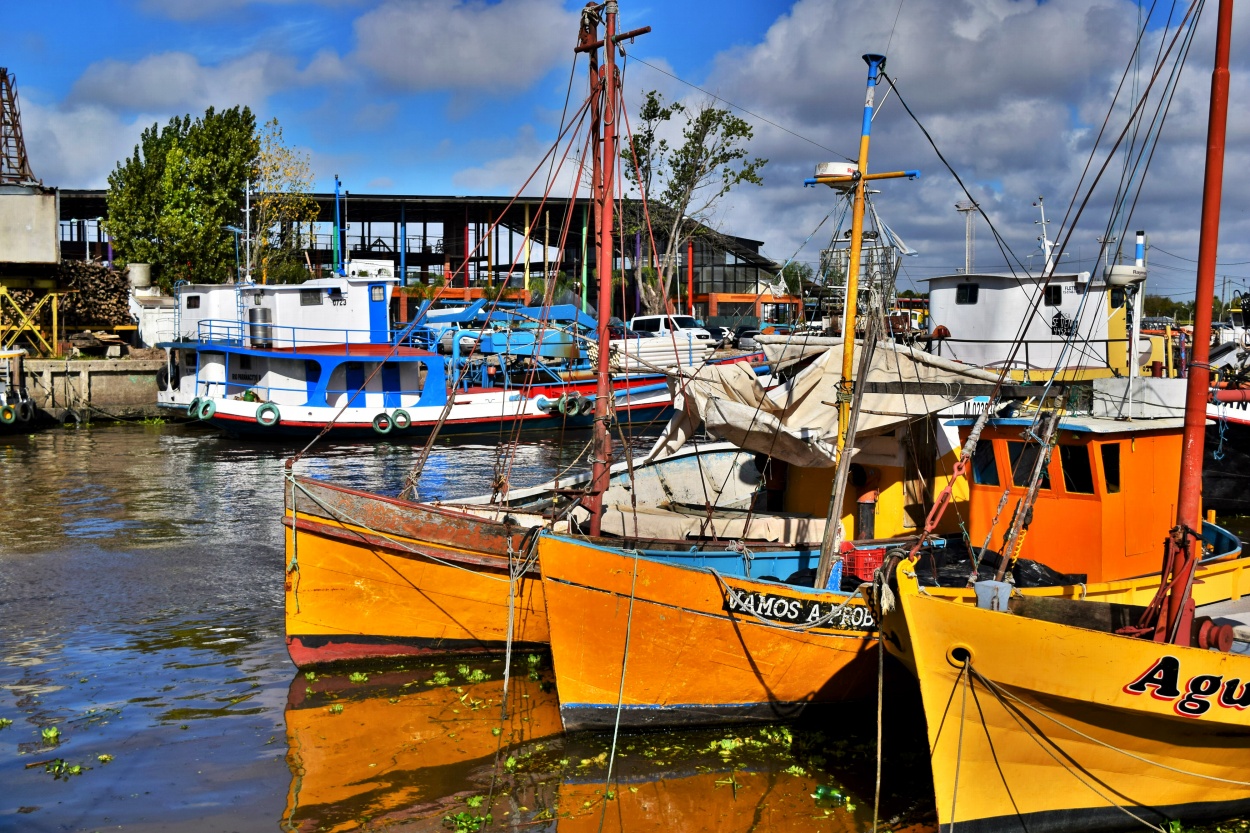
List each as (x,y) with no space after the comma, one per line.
(379,315)
(919,451)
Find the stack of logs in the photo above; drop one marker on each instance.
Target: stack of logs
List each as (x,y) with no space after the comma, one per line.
(92,295)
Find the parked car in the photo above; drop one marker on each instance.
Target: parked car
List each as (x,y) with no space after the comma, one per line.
(744,338)
(683,326)
(723,336)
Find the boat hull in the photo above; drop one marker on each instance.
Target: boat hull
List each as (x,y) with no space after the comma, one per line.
(401,579)
(1059,727)
(690,661)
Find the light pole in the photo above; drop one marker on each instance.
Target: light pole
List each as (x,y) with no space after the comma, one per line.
(236,231)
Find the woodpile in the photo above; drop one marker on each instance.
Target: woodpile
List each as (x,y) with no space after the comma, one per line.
(92,295)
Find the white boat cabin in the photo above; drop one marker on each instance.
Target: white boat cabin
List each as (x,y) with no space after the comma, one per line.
(337,310)
(980,318)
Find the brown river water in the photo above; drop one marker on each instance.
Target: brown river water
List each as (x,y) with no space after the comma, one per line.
(143,670)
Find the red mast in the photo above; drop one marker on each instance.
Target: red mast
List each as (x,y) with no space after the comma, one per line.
(606,163)
(1177,626)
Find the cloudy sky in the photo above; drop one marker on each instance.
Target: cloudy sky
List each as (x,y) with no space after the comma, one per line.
(465,96)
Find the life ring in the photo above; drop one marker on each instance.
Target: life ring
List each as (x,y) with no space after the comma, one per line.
(268,415)
(382,423)
(207,408)
(162,378)
(401,419)
(8,414)
(193,407)
(25,410)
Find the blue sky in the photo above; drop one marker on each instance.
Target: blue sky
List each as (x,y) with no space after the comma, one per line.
(464,96)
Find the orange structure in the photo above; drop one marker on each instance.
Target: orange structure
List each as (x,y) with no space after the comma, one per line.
(1109,484)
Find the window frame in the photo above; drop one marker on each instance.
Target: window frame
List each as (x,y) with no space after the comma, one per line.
(969,293)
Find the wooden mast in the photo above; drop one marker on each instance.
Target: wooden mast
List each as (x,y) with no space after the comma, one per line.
(1177,625)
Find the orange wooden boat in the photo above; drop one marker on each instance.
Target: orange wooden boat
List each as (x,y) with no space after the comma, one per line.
(370,576)
(707,648)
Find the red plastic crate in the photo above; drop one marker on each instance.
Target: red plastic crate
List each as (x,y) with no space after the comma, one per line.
(862,563)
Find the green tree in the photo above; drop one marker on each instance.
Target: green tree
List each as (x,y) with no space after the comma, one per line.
(282,203)
(169,203)
(796,276)
(690,176)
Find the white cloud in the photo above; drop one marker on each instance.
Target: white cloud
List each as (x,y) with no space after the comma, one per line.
(176,81)
(1013,95)
(463,45)
(78,147)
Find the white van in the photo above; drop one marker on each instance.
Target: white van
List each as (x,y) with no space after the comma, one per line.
(682,326)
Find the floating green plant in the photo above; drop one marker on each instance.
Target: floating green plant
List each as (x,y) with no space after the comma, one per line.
(358,677)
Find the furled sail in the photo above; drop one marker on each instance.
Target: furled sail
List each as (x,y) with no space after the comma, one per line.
(798,421)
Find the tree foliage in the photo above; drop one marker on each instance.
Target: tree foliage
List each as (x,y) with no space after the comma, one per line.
(169,202)
(684,180)
(796,276)
(281,205)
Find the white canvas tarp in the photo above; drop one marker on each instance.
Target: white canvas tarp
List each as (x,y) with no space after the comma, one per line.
(798,421)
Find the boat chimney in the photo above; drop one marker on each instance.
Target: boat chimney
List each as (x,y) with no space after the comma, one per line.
(1141,249)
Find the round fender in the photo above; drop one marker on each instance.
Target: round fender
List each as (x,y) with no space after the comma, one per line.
(401,419)
(207,408)
(8,414)
(268,415)
(162,378)
(382,423)
(25,410)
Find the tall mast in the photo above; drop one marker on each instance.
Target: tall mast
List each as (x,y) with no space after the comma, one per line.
(858,182)
(850,303)
(1180,604)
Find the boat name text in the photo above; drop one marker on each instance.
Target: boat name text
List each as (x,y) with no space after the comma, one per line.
(847,617)
(1163,682)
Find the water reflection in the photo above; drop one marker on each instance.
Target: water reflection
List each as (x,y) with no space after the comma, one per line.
(426,747)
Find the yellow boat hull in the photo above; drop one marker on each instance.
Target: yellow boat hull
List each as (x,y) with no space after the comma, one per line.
(1039,726)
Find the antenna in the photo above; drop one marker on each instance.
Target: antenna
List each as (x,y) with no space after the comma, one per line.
(968,208)
(14,164)
(1048,247)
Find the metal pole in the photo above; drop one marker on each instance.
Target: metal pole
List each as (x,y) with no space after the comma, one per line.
(247,217)
(1197,387)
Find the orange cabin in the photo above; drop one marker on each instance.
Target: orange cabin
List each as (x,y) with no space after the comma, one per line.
(1107,499)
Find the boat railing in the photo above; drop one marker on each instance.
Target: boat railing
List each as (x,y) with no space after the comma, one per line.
(266,336)
(1023,361)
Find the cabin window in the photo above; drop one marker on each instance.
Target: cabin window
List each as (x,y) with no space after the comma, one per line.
(1116,297)
(966,293)
(245,362)
(1077,476)
(310,297)
(193,302)
(984,469)
(377,293)
(1052,295)
(1023,457)
(1111,466)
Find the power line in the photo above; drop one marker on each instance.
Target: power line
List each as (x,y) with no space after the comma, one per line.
(742,109)
(1155,248)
